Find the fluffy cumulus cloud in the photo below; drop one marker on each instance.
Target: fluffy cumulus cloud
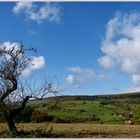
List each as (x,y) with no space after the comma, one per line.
(80,75)
(48,11)
(121,45)
(36,62)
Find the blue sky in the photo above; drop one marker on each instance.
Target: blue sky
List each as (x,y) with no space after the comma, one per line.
(91,47)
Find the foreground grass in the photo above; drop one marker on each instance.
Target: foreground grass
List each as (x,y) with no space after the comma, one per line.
(80,130)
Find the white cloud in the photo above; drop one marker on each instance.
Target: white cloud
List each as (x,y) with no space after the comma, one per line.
(49,11)
(26,72)
(102,77)
(106,62)
(70,79)
(134,89)
(136,79)
(121,45)
(36,62)
(84,72)
(76,69)
(21,6)
(83,75)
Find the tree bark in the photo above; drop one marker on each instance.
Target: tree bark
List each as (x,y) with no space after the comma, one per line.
(11,116)
(11,124)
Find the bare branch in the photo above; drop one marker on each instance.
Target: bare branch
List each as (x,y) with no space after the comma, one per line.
(14,94)
(41,90)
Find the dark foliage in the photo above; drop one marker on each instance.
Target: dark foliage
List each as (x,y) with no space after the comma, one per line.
(25,115)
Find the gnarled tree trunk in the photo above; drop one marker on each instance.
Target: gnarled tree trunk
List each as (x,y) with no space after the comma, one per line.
(11,124)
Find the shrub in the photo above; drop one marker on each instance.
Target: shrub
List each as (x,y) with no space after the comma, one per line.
(1,118)
(38,116)
(8,134)
(84,102)
(91,117)
(81,110)
(104,102)
(25,115)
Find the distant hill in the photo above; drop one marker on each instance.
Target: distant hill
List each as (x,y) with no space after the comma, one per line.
(97,97)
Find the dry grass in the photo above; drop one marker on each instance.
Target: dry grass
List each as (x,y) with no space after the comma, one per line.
(83,130)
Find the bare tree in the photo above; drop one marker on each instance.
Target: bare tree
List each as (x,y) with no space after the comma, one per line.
(14,94)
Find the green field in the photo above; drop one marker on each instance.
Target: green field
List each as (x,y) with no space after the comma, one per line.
(81,117)
(88,111)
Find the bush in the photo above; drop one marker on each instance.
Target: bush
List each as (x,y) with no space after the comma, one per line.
(104,102)
(84,102)
(1,118)
(25,115)
(8,134)
(81,110)
(38,116)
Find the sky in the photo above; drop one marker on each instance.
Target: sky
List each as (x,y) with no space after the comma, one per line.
(91,47)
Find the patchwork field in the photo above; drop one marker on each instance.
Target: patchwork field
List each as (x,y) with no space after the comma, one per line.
(75,117)
(112,111)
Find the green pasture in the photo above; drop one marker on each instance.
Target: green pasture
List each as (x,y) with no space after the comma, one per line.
(93,111)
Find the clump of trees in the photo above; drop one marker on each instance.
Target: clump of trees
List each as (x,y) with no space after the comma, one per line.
(14,94)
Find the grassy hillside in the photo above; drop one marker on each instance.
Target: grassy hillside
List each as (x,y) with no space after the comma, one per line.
(101,109)
(80,116)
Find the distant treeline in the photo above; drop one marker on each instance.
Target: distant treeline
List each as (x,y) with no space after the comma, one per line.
(98,97)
